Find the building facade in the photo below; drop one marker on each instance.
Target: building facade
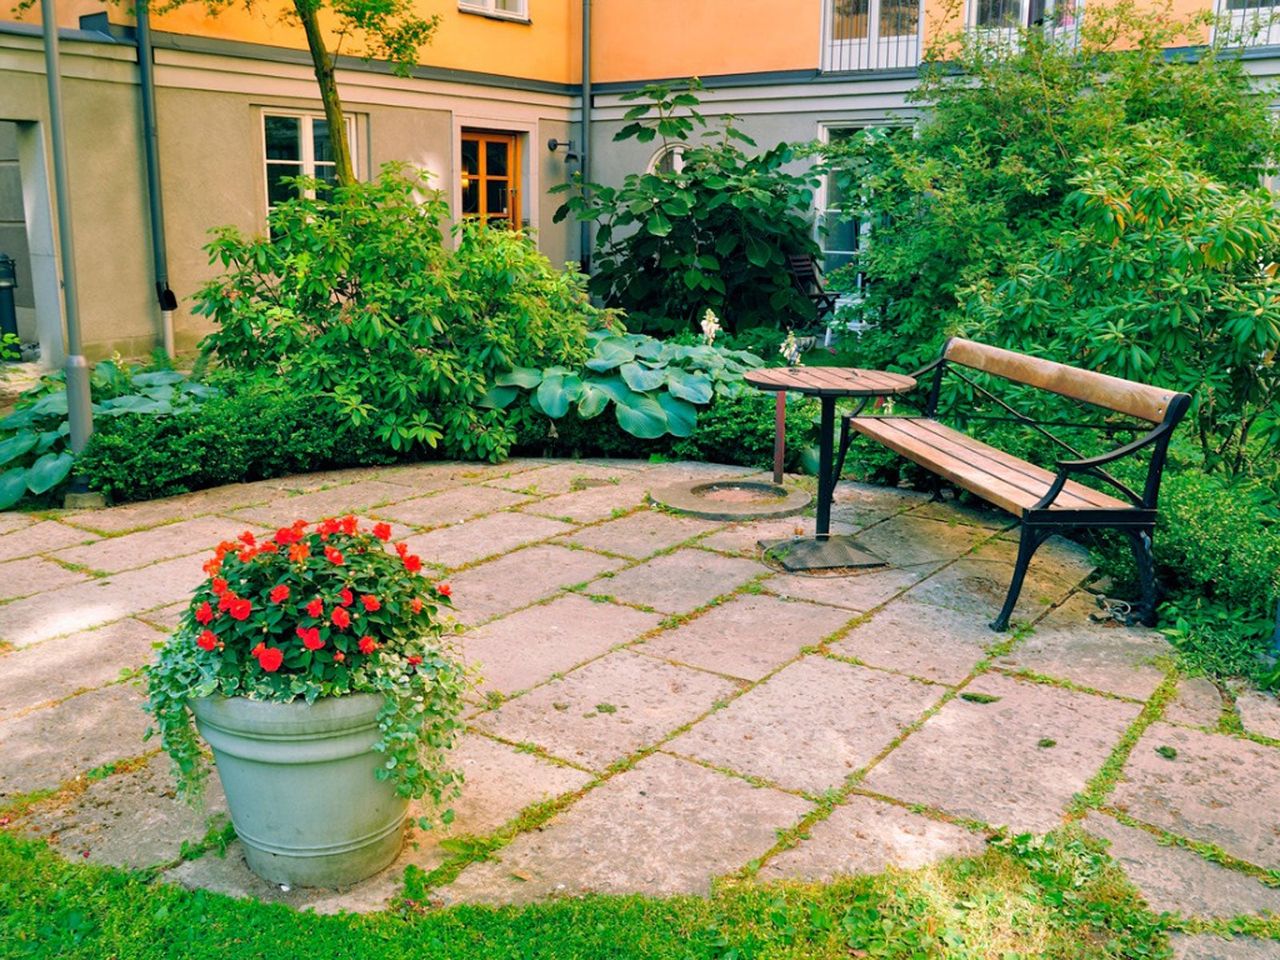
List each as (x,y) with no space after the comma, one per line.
(237,109)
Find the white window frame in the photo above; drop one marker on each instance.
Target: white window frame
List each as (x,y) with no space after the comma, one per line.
(823,198)
(676,150)
(489,8)
(1066,29)
(306,146)
(873,50)
(1251,27)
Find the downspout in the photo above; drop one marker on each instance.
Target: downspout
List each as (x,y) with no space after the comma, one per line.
(585,239)
(165,298)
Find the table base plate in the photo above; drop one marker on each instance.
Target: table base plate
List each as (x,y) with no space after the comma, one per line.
(813,553)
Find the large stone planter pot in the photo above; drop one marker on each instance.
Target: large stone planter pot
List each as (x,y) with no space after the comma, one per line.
(300,785)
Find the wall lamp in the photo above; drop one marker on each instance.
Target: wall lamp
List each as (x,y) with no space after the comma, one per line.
(570,154)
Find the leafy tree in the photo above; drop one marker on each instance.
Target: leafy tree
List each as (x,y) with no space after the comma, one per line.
(713,232)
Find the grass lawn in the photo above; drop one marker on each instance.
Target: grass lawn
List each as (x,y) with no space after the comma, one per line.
(1055,897)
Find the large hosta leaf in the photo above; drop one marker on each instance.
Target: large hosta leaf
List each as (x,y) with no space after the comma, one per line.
(498,398)
(49,471)
(611,354)
(694,387)
(592,402)
(13,484)
(642,379)
(642,417)
(521,377)
(556,392)
(17,445)
(682,417)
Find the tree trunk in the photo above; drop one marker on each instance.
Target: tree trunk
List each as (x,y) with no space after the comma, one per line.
(323,62)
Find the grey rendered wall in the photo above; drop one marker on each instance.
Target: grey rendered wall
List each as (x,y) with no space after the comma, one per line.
(13,228)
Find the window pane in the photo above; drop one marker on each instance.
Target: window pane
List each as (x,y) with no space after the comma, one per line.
(899,18)
(841,235)
(471,198)
(495,159)
(496,197)
(320,139)
(470,157)
(510,6)
(849,20)
(327,172)
(999,13)
(282,138)
(277,189)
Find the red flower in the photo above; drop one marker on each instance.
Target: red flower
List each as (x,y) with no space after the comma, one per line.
(246,555)
(219,586)
(248,539)
(207,640)
(315,608)
(257,651)
(279,594)
(413,661)
(368,645)
(341,619)
(371,603)
(270,659)
(299,552)
(213,567)
(346,597)
(444,589)
(287,535)
(224,601)
(268,547)
(413,563)
(402,549)
(310,637)
(240,609)
(416,605)
(334,556)
(339,656)
(382,531)
(327,527)
(350,524)
(204,614)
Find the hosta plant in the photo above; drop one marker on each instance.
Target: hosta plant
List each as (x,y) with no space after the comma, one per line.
(655,387)
(311,613)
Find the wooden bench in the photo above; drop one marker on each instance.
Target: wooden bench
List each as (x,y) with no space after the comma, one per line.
(1046,501)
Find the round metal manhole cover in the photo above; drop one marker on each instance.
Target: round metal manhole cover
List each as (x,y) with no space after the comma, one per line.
(732,499)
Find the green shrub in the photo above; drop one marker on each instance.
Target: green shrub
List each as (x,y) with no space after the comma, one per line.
(355,301)
(714,234)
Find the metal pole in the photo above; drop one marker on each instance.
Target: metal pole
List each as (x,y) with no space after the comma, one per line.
(585,236)
(165,298)
(79,413)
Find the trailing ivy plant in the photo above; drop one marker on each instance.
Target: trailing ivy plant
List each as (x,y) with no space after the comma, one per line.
(716,232)
(655,387)
(35,454)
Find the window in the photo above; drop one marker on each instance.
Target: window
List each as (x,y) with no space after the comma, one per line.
(872,34)
(1250,22)
(1010,14)
(491,177)
(669,159)
(505,9)
(297,145)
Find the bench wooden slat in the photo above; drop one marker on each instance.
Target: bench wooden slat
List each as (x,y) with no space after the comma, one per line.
(981,469)
(1123,396)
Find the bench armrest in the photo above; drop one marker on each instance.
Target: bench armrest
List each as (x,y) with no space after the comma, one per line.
(927,368)
(1119,453)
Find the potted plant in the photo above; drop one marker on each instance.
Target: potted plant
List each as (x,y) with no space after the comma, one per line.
(315,666)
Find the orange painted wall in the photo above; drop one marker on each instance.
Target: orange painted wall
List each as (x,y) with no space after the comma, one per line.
(681,38)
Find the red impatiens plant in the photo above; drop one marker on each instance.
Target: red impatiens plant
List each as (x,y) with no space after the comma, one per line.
(312,613)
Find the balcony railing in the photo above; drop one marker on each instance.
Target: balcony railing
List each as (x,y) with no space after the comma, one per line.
(1248,23)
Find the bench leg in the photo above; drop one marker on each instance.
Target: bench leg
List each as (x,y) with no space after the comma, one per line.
(1142,553)
(1028,543)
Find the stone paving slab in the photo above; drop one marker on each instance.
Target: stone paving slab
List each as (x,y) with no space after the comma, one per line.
(21,578)
(11,520)
(979,587)
(1196,703)
(472,540)
(1214,788)
(1104,656)
(869,496)
(860,591)
(811,726)
(48,747)
(973,512)
(166,618)
(58,668)
(1207,946)
(596,503)
(528,647)
(867,836)
(116,554)
(663,828)
(641,534)
(608,709)
(679,582)
(1057,559)
(748,636)
(908,540)
(562,478)
(1013,762)
(921,640)
(95,602)
(151,513)
(322,479)
(450,506)
(1259,713)
(332,502)
(521,578)
(132,820)
(1177,880)
(43,537)
(744,538)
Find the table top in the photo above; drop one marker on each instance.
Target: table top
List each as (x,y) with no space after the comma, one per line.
(830,381)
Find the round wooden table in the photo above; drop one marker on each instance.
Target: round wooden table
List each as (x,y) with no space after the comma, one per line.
(828,384)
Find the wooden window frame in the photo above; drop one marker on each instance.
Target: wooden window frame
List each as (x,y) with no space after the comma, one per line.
(514,177)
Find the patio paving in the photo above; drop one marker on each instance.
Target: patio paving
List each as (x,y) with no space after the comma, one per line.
(681,704)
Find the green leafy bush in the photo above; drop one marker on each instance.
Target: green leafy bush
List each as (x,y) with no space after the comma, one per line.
(355,300)
(713,234)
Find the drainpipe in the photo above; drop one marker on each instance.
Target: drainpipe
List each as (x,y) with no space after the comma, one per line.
(165,298)
(79,411)
(586,127)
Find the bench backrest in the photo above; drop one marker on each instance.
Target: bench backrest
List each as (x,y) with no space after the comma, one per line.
(1123,396)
